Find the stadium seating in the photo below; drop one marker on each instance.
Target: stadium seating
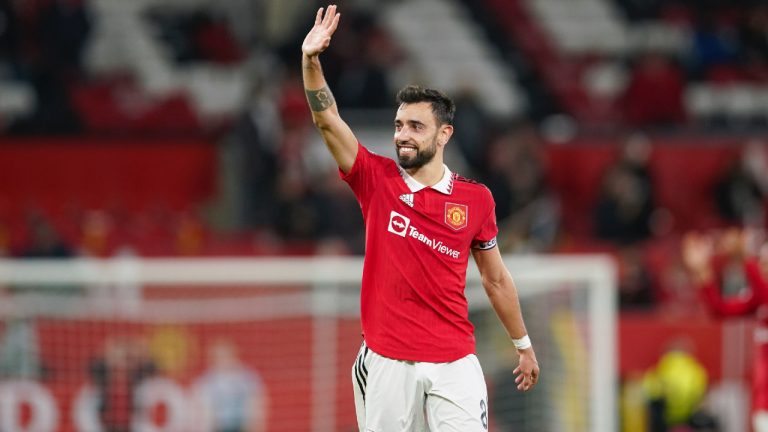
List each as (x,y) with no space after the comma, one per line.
(570,42)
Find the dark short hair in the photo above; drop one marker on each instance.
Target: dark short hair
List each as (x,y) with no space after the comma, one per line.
(442,106)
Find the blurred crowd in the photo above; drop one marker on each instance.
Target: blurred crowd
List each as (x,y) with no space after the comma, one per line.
(274,191)
(728,44)
(42,44)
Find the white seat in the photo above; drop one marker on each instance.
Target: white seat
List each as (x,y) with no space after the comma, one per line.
(450,52)
(18,99)
(702,101)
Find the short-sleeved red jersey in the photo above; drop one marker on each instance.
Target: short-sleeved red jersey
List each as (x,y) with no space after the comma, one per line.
(418,242)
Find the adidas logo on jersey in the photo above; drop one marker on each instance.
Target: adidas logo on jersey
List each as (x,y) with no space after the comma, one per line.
(407,198)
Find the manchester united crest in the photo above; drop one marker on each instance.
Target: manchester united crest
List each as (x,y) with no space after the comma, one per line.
(456,215)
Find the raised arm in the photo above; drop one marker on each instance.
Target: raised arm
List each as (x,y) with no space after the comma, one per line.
(335,132)
(502,293)
(698,256)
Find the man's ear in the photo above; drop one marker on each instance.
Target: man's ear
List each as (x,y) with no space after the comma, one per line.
(445,133)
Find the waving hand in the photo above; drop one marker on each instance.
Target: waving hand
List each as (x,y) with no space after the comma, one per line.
(319,37)
(336,133)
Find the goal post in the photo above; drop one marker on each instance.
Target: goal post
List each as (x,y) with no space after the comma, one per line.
(570,308)
(291,325)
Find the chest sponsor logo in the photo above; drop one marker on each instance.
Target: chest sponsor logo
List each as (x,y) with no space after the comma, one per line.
(401,225)
(398,224)
(456,215)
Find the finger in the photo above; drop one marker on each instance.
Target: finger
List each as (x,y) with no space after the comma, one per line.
(519,378)
(329,15)
(332,15)
(334,23)
(319,17)
(527,383)
(517,370)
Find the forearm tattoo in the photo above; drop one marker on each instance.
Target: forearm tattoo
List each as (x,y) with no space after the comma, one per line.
(320,100)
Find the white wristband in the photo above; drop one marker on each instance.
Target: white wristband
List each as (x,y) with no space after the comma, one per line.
(522,343)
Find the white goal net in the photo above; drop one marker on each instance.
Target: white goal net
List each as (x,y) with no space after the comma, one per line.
(267,344)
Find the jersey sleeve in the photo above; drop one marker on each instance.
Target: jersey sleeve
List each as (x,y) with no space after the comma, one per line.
(362,176)
(486,235)
(756,280)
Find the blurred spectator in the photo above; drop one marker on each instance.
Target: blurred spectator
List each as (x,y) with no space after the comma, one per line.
(633,404)
(215,42)
(20,350)
(339,219)
(674,293)
(364,78)
(54,113)
(197,34)
(654,95)
(54,35)
(296,217)
(190,235)
(714,43)
(636,291)
(525,207)
(641,9)
(471,131)
(117,374)
(9,32)
(626,201)
(753,36)
(255,141)
(742,193)
(675,388)
(709,258)
(44,241)
(64,29)
(97,227)
(233,395)
(294,115)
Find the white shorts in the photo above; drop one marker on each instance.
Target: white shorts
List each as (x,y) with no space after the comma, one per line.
(405,396)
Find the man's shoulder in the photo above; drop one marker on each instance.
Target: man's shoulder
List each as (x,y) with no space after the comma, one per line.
(469,184)
(472,190)
(377,158)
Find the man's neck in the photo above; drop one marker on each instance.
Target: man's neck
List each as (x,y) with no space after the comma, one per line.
(429,174)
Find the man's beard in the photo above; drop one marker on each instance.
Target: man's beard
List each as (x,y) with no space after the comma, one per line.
(421,158)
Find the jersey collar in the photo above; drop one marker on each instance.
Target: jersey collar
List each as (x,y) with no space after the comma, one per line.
(445,185)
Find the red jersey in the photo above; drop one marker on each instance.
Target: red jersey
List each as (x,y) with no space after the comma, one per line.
(418,242)
(750,302)
(754,301)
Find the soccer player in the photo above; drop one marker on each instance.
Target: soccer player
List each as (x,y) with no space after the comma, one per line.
(416,367)
(706,265)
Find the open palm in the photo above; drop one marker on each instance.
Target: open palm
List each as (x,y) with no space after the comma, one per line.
(319,37)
